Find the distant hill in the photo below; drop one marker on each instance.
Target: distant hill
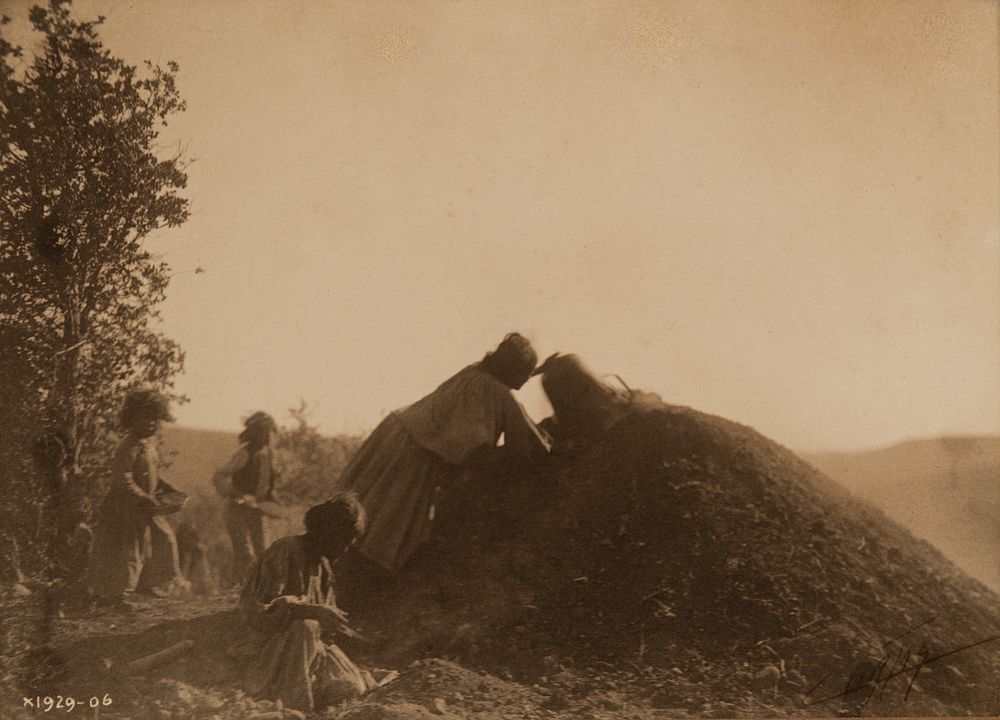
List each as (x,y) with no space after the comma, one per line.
(945,490)
(194,455)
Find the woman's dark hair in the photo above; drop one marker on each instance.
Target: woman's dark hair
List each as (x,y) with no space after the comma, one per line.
(512,362)
(342,512)
(256,423)
(140,401)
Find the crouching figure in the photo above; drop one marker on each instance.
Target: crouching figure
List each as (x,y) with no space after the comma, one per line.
(289,606)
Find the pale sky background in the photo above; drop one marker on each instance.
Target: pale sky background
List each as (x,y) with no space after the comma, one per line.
(785,213)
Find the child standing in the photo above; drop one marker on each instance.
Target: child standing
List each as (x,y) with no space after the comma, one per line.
(135,548)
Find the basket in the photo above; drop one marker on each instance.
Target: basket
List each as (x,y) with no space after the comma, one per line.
(167,503)
(271,509)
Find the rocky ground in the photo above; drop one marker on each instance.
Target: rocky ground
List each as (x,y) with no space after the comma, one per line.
(669,564)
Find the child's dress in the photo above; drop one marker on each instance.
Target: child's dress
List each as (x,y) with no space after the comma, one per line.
(133,549)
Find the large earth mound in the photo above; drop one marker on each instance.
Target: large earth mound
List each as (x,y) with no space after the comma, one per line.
(688,563)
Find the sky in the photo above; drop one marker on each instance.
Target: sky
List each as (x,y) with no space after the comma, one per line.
(784,213)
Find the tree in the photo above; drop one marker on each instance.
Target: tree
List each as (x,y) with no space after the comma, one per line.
(310,463)
(82,184)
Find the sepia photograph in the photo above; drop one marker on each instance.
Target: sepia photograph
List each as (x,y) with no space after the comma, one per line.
(499,359)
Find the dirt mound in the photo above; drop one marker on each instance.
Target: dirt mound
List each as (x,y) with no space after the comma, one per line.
(690,563)
(435,688)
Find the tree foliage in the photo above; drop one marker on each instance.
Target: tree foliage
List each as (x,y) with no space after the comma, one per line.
(83,181)
(310,463)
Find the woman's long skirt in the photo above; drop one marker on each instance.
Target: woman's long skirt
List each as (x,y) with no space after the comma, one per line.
(397,481)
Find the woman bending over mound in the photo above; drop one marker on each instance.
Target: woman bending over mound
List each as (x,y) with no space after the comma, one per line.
(402,466)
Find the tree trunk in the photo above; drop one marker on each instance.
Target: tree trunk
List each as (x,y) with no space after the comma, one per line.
(65,406)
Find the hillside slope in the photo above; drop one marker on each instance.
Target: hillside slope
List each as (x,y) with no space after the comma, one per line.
(194,454)
(945,490)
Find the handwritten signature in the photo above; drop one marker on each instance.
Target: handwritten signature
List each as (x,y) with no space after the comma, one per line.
(873,675)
